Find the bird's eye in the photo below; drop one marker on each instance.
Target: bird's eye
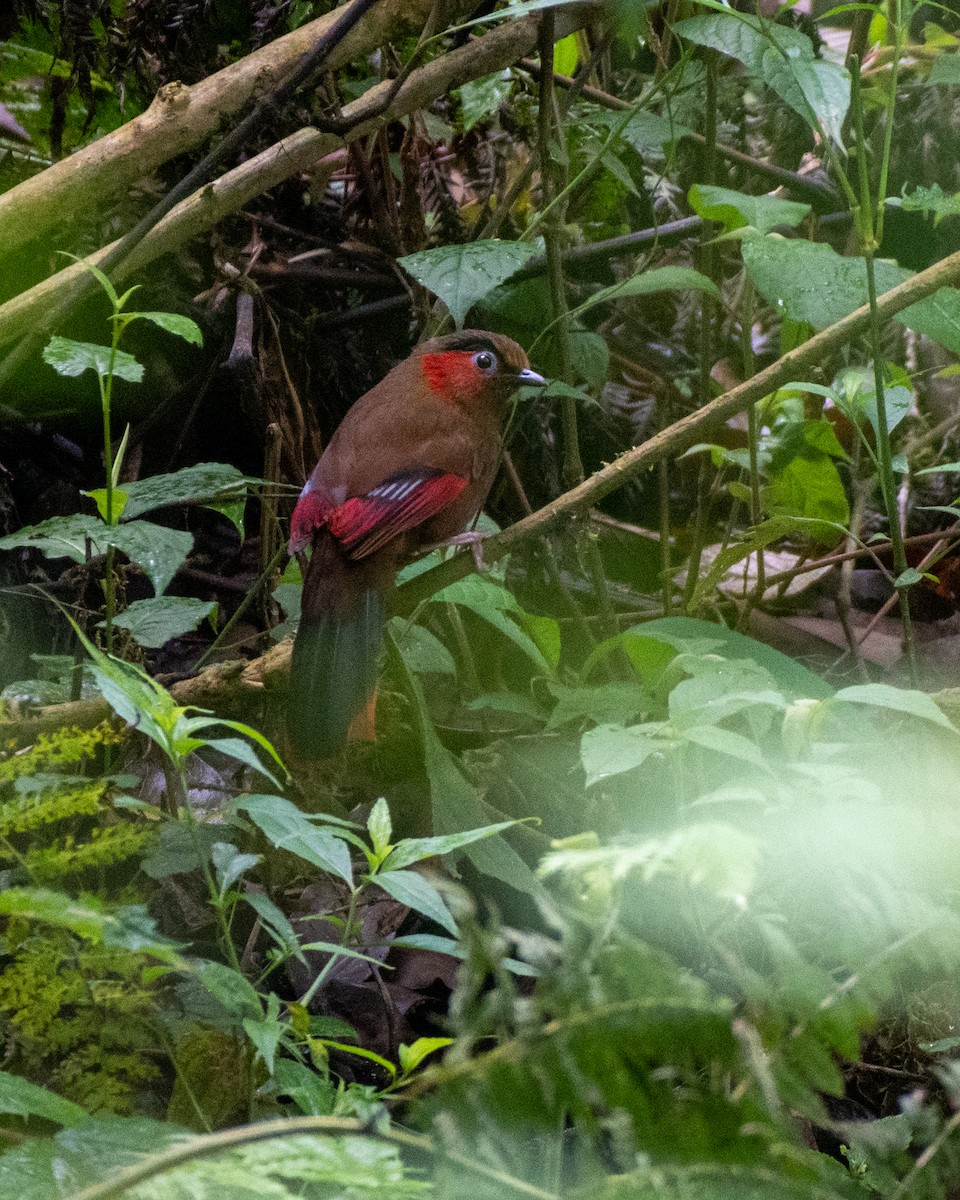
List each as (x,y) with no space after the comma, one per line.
(484,360)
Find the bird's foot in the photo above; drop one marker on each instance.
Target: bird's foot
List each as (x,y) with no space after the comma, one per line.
(472,538)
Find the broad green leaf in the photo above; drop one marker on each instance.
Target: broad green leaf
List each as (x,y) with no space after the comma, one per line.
(736,209)
(422,650)
(412,850)
(611,749)
(61,537)
(726,741)
(417,893)
(463,275)
(945,69)
(275,921)
(604,704)
(174,323)
(100,498)
(203,483)
(481,98)
(444,945)
(494,604)
(157,551)
(287,828)
(883,695)
(682,632)
(897,403)
(152,623)
(811,283)
(71,358)
(933,200)
(242,751)
(20,1098)
(781,57)
(663,279)
(908,578)
(810,491)
(644,131)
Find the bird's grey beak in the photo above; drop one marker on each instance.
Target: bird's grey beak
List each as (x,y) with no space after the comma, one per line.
(530,378)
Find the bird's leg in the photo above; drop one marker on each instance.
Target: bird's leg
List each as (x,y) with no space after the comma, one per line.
(472,538)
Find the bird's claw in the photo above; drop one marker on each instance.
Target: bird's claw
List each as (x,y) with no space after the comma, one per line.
(474,539)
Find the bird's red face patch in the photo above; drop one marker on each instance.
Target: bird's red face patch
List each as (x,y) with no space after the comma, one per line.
(453,375)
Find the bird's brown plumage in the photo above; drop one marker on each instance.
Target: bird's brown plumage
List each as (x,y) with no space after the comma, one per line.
(409,466)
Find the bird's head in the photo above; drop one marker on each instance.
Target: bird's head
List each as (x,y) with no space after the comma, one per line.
(474,366)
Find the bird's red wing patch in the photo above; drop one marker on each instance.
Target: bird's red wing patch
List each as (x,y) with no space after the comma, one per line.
(309,515)
(363,524)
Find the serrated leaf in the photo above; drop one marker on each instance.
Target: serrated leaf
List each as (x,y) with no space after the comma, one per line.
(153,622)
(461,276)
(286,827)
(417,893)
(71,358)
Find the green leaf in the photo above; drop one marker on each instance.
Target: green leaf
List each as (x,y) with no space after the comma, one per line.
(810,491)
(725,741)
(99,497)
(908,578)
(811,283)
(422,650)
(645,131)
(481,98)
(417,893)
(287,828)
(60,537)
(230,864)
(883,695)
(781,57)
(494,604)
(275,921)
(210,483)
(242,751)
(736,209)
(412,1056)
(663,279)
(379,826)
(233,990)
(157,551)
(152,623)
(71,358)
(174,323)
(413,850)
(461,276)
(611,750)
(945,69)
(685,632)
(20,1098)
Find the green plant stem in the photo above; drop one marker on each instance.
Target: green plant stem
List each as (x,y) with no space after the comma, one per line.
(868,247)
(753,438)
(707,264)
(106,396)
(328,966)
